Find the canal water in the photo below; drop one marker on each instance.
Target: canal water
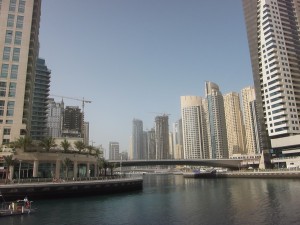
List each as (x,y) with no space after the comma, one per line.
(172,199)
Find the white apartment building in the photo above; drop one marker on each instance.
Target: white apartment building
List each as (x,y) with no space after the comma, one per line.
(274,42)
(195,142)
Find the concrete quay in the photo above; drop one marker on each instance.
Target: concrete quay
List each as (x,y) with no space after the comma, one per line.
(69,188)
(260,174)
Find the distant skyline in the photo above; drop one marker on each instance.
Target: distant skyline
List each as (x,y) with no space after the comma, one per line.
(134,59)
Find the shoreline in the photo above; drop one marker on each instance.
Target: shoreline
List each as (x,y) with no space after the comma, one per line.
(246,174)
(69,188)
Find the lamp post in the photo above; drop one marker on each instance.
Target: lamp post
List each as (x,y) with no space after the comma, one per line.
(121,166)
(20,164)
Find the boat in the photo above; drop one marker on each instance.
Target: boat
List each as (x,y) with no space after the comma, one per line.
(18,207)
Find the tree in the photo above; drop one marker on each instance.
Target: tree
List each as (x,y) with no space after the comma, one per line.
(90,149)
(111,166)
(79,145)
(9,161)
(67,163)
(23,143)
(48,143)
(65,145)
(105,166)
(99,153)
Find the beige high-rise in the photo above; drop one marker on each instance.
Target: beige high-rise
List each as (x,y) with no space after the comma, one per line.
(19,45)
(274,42)
(234,124)
(248,96)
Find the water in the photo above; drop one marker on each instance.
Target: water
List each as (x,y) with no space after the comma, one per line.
(171,199)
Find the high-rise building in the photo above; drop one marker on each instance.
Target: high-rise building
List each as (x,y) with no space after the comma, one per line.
(178,140)
(151,146)
(19,45)
(55,113)
(162,137)
(86,134)
(195,142)
(216,125)
(114,150)
(137,139)
(274,43)
(72,122)
(40,101)
(234,124)
(171,146)
(252,127)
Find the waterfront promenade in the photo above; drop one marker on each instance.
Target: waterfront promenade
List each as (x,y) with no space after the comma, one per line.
(37,189)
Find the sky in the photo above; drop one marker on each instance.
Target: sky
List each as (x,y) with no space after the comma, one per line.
(135,58)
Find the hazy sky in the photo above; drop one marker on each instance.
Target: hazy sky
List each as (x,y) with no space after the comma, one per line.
(135,58)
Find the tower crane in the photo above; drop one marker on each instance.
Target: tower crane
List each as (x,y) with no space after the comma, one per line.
(77,99)
(83,102)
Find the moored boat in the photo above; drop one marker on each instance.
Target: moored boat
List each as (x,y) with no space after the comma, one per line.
(18,207)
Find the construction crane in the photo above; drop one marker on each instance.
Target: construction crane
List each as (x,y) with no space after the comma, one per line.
(159,113)
(77,99)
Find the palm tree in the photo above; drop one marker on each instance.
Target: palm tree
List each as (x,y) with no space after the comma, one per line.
(90,149)
(65,145)
(23,143)
(67,163)
(111,166)
(101,164)
(79,145)
(9,161)
(99,153)
(105,166)
(48,143)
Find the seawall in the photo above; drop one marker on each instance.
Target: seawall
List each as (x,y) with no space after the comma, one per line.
(70,188)
(259,174)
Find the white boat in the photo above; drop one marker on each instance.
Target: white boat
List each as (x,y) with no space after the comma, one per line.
(18,207)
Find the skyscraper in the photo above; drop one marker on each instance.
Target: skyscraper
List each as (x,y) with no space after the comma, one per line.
(114,150)
(195,142)
(137,139)
(178,140)
(253,131)
(19,45)
(55,118)
(72,122)
(234,124)
(40,101)
(274,42)
(216,125)
(151,144)
(162,137)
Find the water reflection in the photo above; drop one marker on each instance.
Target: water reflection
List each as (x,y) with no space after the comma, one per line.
(172,199)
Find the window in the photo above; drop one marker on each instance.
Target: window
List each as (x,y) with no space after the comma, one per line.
(4,70)
(6,54)
(12,5)
(6,131)
(2,89)
(9,121)
(14,71)
(20,22)
(16,55)
(10,20)
(10,108)
(2,107)
(8,36)
(18,37)
(12,89)
(21,8)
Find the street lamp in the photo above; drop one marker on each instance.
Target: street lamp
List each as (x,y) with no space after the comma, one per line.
(121,166)
(20,164)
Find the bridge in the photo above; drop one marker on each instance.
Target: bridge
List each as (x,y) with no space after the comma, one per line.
(225,163)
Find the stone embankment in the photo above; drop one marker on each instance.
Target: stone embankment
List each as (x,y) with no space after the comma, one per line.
(260,174)
(69,188)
